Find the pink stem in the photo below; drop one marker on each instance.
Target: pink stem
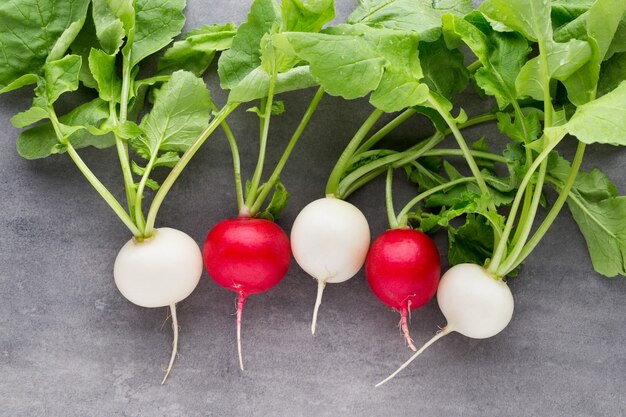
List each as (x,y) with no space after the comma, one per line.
(405,328)
(241,300)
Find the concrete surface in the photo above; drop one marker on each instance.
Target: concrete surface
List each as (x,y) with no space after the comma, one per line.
(72,346)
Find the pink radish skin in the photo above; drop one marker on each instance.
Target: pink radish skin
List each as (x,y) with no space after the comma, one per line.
(403,269)
(476,304)
(248,256)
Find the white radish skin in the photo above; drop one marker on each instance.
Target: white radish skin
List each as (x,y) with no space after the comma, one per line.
(329,240)
(474,303)
(158,272)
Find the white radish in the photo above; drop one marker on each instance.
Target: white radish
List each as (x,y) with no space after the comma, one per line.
(159,271)
(474,303)
(329,240)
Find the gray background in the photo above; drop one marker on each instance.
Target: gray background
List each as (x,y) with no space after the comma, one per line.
(71,345)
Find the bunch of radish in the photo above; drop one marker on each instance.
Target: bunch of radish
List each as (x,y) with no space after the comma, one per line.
(406,68)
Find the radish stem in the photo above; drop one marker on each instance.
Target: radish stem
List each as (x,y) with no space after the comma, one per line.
(391,214)
(446,330)
(182,163)
(283,159)
(405,328)
(174,343)
(332,185)
(241,300)
(321,284)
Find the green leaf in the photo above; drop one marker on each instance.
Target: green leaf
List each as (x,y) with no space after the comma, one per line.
(598,26)
(470,243)
(619,40)
(420,16)
(180,113)
(612,73)
(196,50)
(563,59)
(60,77)
(353,60)
(104,71)
(124,10)
(25,45)
(599,22)
(306,16)
(256,84)
(599,213)
(531,18)
(109,28)
(524,131)
(278,107)
(277,203)
(601,120)
(564,11)
(40,141)
(156,24)
(501,54)
(245,53)
(443,68)
(30,116)
(65,40)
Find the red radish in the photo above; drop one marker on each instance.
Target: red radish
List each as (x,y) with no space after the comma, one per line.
(248,256)
(403,269)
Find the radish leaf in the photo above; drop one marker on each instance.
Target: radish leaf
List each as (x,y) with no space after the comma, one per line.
(419,16)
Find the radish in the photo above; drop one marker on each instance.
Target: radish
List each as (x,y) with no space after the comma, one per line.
(248,256)
(329,239)
(475,304)
(159,271)
(402,269)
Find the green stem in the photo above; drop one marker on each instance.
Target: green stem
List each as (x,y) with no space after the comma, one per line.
(139,219)
(102,190)
(480,181)
(527,217)
(285,156)
(366,173)
(361,182)
(391,213)
(394,159)
(474,66)
(182,163)
(403,215)
(409,156)
(525,224)
(552,214)
(234,150)
(481,118)
(385,130)
(90,176)
(502,245)
(121,144)
(332,185)
(528,193)
(457,152)
(258,171)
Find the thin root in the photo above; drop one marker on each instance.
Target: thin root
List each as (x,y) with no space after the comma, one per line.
(321,284)
(174,343)
(446,330)
(405,329)
(241,300)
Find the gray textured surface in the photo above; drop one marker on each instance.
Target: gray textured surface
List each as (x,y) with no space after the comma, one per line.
(71,345)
